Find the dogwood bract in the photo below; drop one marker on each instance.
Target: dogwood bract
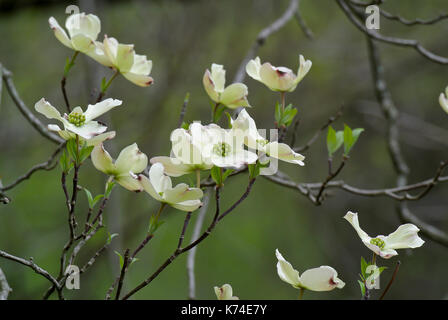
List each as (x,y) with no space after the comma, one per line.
(225,148)
(225,292)
(159,186)
(130,161)
(83,29)
(404,237)
(79,122)
(324,278)
(443,100)
(122,57)
(233,96)
(254,140)
(277,78)
(186,151)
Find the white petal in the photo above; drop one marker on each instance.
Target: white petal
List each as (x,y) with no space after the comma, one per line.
(209,86)
(94,111)
(352,217)
(141,65)
(101,138)
(82,43)
(253,68)
(147,186)
(443,100)
(218,75)
(404,237)
(60,33)
(159,181)
(87,131)
(44,107)
(284,152)
(129,181)
(97,53)
(188,206)
(80,23)
(277,78)
(304,68)
(234,96)
(102,160)
(131,159)
(173,166)
(139,79)
(324,278)
(182,192)
(286,272)
(225,292)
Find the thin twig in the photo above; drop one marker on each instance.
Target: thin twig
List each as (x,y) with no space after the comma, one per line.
(409,43)
(29,116)
(394,275)
(126,261)
(183,110)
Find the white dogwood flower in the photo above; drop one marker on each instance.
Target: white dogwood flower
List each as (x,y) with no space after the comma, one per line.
(159,186)
(324,278)
(443,100)
(404,237)
(186,152)
(225,148)
(83,29)
(225,292)
(233,96)
(122,57)
(130,161)
(79,122)
(254,140)
(277,78)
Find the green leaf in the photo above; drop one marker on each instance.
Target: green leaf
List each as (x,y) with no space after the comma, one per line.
(334,140)
(65,163)
(254,170)
(364,265)
(363,288)
(216,173)
(103,84)
(109,186)
(85,153)
(226,174)
(229,119)
(288,116)
(110,237)
(278,113)
(154,224)
(185,125)
(350,138)
(72,149)
(97,198)
(89,197)
(121,259)
(218,113)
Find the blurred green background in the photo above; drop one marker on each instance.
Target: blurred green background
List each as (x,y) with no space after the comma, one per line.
(183,38)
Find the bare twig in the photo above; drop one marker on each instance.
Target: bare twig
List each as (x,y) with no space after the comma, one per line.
(30,263)
(306,30)
(331,176)
(263,36)
(391,113)
(183,110)
(180,250)
(195,236)
(47,165)
(319,132)
(126,261)
(29,116)
(394,275)
(409,43)
(417,21)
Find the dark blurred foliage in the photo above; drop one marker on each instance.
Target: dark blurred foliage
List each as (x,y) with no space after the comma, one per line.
(183,38)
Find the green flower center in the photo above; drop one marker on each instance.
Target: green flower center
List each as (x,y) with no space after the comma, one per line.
(222,149)
(262,142)
(78,119)
(378,242)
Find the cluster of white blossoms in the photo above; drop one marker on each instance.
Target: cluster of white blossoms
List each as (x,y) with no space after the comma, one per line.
(83,30)
(443,100)
(198,147)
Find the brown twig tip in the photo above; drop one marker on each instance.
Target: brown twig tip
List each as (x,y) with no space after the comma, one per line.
(394,275)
